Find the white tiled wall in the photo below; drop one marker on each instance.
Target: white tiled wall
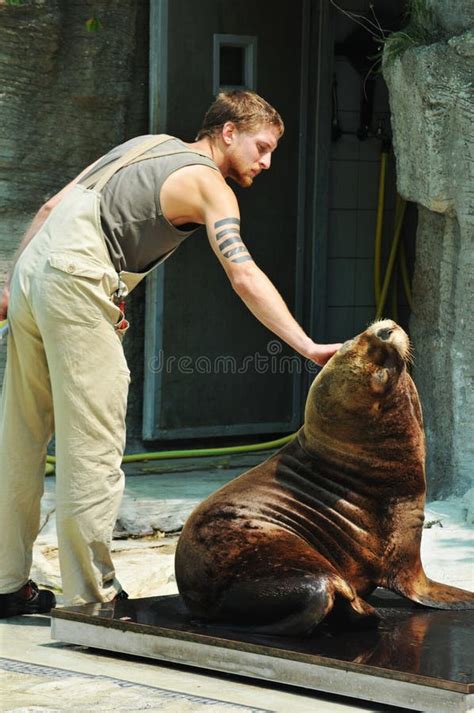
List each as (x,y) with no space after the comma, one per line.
(354,179)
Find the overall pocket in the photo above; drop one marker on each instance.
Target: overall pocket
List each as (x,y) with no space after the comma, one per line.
(73,291)
(74,264)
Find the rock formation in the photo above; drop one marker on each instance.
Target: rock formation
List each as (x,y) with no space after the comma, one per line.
(432,103)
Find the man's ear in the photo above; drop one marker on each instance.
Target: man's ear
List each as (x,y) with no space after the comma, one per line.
(228,131)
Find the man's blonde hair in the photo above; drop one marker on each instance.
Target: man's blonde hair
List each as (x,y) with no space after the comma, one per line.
(246,109)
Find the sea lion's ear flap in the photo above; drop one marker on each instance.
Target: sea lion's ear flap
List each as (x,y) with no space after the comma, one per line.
(379,380)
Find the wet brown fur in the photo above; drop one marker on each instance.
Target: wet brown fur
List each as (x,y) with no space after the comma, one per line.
(332,515)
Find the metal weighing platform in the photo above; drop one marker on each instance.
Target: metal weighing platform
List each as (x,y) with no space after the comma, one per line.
(417,658)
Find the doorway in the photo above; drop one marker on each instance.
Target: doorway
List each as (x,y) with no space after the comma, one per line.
(211,369)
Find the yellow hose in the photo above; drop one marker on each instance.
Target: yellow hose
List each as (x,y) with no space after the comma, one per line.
(394,298)
(380,290)
(379,226)
(405,277)
(399,215)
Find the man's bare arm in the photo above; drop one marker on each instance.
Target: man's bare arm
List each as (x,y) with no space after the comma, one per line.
(250,283)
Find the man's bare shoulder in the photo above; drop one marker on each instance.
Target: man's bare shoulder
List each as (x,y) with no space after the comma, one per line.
(190,190)
(186,193)
(197,177)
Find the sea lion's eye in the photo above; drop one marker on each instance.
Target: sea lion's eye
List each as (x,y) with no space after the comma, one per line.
(384,333)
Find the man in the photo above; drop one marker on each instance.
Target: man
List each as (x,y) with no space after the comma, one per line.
(88,247)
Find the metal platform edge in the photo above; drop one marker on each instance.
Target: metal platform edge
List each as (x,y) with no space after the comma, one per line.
(224,659)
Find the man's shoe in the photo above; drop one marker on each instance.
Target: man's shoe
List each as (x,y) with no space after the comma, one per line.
(121,595)
(27,600)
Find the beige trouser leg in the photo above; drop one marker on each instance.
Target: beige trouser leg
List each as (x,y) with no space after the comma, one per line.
(88,379)
(90,397)
(26,424)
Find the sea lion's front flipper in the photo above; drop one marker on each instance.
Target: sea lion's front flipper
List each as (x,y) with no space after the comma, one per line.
(424,591)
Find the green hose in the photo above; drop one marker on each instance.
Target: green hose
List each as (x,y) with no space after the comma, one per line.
(196,452)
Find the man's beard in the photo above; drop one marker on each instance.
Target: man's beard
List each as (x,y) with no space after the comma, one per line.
(239,175)
(242,179)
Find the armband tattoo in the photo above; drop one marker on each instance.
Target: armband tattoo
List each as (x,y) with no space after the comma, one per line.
(224,221)
(229,237)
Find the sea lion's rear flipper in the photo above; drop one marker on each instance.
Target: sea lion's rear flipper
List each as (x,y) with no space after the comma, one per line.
(289,606)
(303,600)
(424,591)
(352,613)
(302,622)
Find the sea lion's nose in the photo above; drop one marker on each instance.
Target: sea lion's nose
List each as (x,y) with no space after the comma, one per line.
(384,333)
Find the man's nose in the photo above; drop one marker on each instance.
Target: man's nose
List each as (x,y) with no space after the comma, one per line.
(265,161)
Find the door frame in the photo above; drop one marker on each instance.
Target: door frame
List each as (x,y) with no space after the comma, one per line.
(316,203)
(154,283)
(312,213)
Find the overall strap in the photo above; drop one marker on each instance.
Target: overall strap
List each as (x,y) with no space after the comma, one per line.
(168,153)
(100,178)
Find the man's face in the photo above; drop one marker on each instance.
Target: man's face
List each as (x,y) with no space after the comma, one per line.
(249,153)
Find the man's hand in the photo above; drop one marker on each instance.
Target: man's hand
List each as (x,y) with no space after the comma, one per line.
(4,302)
(321,353)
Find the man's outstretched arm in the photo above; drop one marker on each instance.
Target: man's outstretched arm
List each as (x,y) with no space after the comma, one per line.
(250,283)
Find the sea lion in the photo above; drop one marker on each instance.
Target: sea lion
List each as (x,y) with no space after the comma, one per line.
(334,514)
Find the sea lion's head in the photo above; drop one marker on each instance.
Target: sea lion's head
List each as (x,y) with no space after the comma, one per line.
(364,382)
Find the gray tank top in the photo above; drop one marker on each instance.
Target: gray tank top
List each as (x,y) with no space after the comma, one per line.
(136,232)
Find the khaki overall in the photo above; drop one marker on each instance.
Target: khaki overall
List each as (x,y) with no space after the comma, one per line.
(66,373)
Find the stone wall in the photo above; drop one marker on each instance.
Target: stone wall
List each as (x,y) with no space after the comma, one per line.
(432,104)
(67,96)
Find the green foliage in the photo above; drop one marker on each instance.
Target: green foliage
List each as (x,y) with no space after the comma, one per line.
(93,24)
(421,29)
(14,2)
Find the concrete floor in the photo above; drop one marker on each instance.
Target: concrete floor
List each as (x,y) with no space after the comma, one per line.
(38,674)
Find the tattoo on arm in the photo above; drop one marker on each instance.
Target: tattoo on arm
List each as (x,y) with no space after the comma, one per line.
(244,258)
(225,221)
(230,241)
(236,251)
(229,231)
(231,237)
